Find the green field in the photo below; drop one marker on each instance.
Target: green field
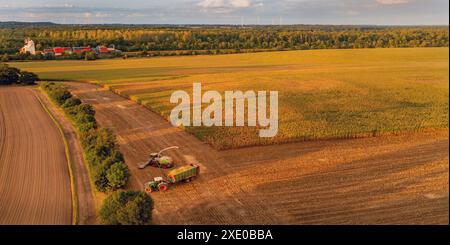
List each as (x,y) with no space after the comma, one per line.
(322,93)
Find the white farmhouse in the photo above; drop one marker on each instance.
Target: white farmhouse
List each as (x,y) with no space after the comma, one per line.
(29,47)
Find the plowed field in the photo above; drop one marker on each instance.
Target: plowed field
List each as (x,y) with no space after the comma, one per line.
(34,177)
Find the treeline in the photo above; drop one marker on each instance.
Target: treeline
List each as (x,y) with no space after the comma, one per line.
(106,163)
(139,39)
(11,75)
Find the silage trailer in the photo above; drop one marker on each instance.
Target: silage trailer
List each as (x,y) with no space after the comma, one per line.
(181,174)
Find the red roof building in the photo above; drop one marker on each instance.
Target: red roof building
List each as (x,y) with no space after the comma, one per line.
(103,49)
(58,51)
(82,49)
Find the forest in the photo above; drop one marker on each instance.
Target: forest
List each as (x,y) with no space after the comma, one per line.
(147,38)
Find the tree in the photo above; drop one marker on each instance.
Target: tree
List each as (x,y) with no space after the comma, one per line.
(100,180)
(8,75)
(84,116)
(86,109)
(127,208)
(60,95)
(90,56)
(28,78)
(5,58)
(71,102)
(102,153)
(117,175)
(102,173)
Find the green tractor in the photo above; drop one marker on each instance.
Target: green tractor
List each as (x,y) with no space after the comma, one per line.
(158,184)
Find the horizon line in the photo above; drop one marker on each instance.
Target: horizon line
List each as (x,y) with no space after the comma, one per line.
(220,24)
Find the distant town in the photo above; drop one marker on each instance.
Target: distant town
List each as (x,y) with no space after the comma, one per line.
(30,48)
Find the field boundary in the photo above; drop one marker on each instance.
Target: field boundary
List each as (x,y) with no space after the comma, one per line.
(73,187)
(97,195)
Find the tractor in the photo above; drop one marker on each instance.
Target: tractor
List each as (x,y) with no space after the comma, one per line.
(181,174)
(158,160)
(158,184)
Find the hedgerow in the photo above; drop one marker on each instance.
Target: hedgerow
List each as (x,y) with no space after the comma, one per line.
(11,75)
(127,208)
(106,162)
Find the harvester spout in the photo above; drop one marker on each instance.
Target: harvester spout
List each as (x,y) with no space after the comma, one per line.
(168,148)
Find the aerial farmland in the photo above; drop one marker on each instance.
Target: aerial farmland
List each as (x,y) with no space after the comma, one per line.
(363,134)
(223,124)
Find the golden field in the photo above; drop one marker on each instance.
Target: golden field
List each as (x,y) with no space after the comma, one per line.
(323,94)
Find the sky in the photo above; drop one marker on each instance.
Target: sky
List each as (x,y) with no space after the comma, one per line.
(339,12)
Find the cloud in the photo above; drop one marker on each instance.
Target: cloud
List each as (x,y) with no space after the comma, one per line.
(388,12)
(102,15)
(224,4)
(212,4)
(240,3)
(392,2)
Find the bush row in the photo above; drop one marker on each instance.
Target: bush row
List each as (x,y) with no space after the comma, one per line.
(127,208)
(106,162)
(12,75)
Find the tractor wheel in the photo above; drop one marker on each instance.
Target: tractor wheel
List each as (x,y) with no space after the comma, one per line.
(163,187)
(148,189)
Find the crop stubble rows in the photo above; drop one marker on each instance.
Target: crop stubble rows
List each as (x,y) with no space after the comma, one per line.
(34,179)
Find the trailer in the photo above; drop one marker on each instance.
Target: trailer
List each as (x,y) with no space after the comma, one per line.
(181,174)
(185,173)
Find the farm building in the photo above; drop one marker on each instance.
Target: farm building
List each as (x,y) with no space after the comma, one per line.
(78,50)
(102,50)
(58,51)
(105,50)
(29,47)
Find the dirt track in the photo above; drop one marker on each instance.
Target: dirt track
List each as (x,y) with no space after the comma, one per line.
(383,180)
(34,177)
